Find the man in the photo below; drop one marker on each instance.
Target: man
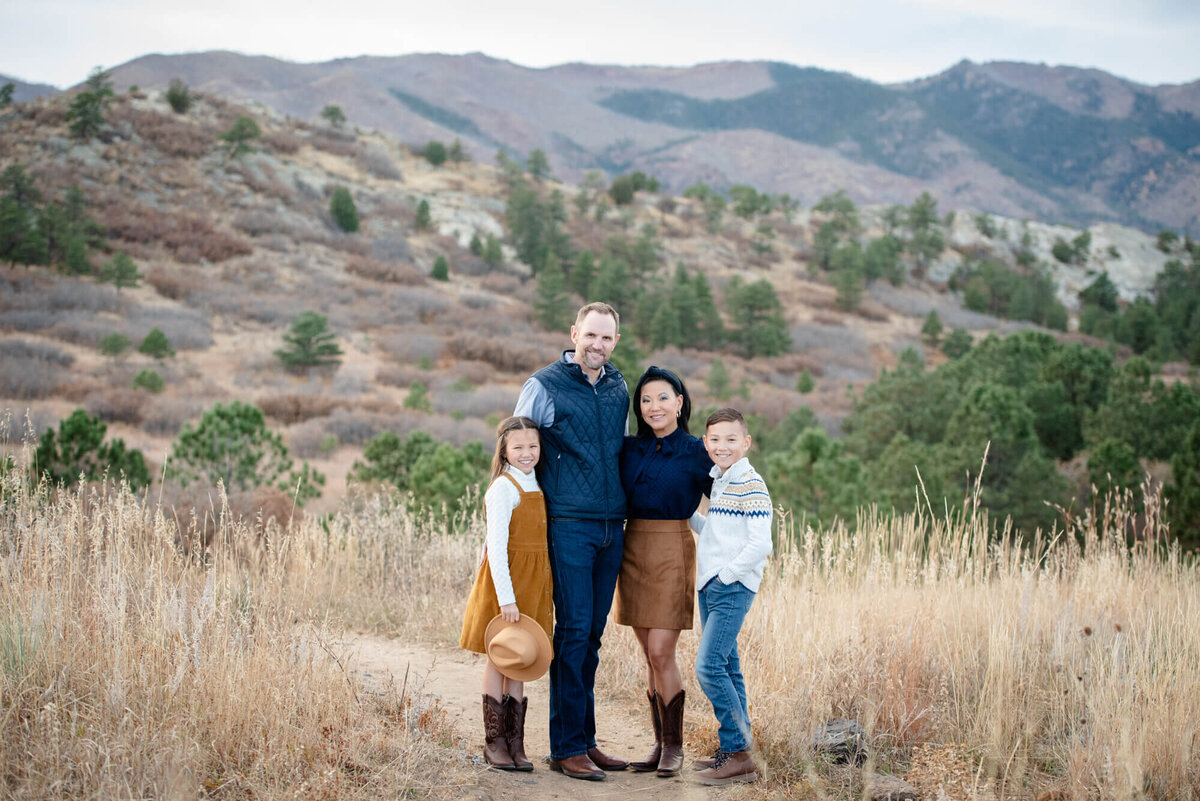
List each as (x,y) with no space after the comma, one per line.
(581,405)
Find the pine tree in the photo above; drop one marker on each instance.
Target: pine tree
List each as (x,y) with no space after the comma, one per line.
(86,113)
(345,213)
(333,115)
(686,306)
(121,271)
(932,329)
(711,334)
(441,269)
(805,383)
(309,343)
(664,325)
(550,303)
(493,252)
(240,134)
(156,345)
(583,274)
(179,97)
(424,217)
(418,397)
(718,380)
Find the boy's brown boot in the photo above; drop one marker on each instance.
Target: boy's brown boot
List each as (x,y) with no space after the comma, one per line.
(729,769)
(671,760)
(514,731)
(495,748)
(651,762)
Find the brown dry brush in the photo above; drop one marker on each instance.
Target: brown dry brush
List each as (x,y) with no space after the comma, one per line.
(132,666)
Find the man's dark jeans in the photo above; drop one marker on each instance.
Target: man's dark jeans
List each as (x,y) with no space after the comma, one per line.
(585,558)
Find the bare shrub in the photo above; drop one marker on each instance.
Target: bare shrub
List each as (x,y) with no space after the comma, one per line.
(28,319)
(391,246)
(49,113)
(260,176)
(189,237)
(396,210)
(685,364)
(14,349)
(829,318)
(351,380)
(186,329)
(501,283)
(290,409)
(478,402)
(502,355)
(117,405)
(175,284)
(467,263)
(166,415)
(81,328)
(392,272)
(355,426)
(257,222)
(337,143)
(377,161)
(476,301)
(873,312)
(399,375)
(29,378)
(281,141)
(304,440)
(168,133)
(412,347)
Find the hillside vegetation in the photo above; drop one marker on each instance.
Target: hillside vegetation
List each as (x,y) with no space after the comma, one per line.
(359,309)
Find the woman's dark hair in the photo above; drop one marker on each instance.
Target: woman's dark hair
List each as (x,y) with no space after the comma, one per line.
(659,374)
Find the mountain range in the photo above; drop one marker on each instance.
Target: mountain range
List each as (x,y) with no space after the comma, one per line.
(1062,144)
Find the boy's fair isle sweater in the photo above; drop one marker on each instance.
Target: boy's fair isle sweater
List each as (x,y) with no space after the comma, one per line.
(735,535)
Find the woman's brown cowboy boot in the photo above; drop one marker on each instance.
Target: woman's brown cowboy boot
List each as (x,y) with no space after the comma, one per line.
(651,762)
(671,715)
(514,731)
(495,749)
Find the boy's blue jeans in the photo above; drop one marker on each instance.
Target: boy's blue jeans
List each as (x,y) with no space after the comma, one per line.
(723,608)
(585,558)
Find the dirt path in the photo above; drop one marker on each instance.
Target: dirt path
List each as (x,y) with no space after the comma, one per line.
(452,675)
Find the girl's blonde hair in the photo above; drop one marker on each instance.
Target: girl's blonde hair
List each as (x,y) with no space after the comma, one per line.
(502,431)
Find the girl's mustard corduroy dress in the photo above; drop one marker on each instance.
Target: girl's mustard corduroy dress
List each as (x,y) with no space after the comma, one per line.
(528,566)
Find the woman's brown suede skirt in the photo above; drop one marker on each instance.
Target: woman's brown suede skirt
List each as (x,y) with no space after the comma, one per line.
(657,585)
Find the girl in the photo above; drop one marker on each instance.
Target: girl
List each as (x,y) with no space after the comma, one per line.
(513,578)
(665,471)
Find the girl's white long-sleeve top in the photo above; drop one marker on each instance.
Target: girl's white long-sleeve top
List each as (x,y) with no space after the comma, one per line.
(499,502)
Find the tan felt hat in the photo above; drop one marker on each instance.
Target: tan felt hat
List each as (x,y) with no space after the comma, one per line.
(521,651)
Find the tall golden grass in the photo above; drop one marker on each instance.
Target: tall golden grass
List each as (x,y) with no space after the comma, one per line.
(135,663)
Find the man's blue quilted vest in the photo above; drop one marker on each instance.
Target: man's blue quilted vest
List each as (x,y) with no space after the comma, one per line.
(579,468)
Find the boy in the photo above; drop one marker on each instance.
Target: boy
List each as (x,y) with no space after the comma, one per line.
(735,541)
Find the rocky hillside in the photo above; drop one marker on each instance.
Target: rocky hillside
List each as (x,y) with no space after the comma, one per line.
(233,247)
(1023,140)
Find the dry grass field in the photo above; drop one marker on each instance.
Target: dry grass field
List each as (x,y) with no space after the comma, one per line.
(137,661)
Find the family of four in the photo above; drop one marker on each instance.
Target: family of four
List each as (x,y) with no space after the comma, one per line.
(578,510)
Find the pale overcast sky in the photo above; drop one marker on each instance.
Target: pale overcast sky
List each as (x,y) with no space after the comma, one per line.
(1150,41)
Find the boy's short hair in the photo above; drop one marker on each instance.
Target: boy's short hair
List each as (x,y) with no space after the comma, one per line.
(602,308)
(727,415)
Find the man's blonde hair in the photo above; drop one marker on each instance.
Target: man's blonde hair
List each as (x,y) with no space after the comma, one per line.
(601,307)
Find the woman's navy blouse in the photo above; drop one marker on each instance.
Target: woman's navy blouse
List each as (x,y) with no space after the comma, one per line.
(664,478)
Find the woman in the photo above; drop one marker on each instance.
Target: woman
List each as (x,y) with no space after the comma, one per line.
(664,470)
